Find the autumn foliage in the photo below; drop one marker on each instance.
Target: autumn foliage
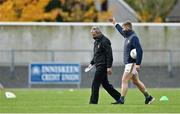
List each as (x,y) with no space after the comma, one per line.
(50,11)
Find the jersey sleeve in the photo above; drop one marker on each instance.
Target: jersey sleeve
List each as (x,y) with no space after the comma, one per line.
(119,28)
(139,50)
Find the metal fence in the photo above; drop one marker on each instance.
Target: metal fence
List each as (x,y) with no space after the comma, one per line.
(162,65)
(14,58)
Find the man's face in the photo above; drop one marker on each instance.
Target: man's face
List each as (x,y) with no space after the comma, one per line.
(94,34)
(125,28)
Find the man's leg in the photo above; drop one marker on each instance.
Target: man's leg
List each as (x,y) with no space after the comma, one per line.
(95,86)
(110,89)
(124,86)
(127,75)
(94,93)
(140,85)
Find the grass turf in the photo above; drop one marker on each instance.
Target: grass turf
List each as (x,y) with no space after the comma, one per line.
(76,101)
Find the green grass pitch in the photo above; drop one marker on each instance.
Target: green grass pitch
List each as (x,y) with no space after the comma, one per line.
(76,101)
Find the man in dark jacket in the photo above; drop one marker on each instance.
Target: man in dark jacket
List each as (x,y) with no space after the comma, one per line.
(132,65)
(102,60)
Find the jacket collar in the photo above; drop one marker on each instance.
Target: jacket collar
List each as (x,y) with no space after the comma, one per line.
(129,33)
(99,38)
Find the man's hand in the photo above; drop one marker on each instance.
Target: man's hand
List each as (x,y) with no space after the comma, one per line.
(112,20)
(138,67)
(87,69)
(109,71)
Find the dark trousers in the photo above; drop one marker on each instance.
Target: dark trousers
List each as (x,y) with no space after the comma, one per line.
(102,78)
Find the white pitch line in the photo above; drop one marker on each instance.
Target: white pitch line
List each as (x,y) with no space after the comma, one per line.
(89,113)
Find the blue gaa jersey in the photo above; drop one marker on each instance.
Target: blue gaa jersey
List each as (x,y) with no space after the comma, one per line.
(131,42)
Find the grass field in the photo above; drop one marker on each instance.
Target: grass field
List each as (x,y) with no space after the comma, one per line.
(76,101)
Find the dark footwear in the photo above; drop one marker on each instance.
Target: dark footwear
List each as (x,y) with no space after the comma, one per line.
(93,103)
(149,100)
(118,102)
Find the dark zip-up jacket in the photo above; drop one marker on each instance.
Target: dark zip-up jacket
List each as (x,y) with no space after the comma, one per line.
(131,42)
(102,52)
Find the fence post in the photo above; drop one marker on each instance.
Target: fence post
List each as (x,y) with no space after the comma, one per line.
(12,66)
(52,55)
(170,63)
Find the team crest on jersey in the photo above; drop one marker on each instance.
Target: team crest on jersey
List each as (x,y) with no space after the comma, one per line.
(98,45)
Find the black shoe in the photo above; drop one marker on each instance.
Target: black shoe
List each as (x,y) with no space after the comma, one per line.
(149,100)
(93,103)
(118,102)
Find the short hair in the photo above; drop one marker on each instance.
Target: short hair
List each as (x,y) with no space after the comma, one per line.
(128,23)
(95,29)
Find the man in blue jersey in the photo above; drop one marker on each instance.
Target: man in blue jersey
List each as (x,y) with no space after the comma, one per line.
(132,66)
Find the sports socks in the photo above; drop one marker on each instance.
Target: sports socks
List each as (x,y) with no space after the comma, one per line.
(146,95)
(122,98)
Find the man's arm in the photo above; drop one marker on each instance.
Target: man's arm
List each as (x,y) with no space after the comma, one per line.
(139,50)
(117,26)
(90,66)
(92,61)
(109,55)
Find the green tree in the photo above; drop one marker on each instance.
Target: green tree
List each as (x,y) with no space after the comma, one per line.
(51,11)
(152,10)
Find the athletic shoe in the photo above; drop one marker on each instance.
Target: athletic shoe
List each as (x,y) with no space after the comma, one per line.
(118,102)
(149,100)
(92,103)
